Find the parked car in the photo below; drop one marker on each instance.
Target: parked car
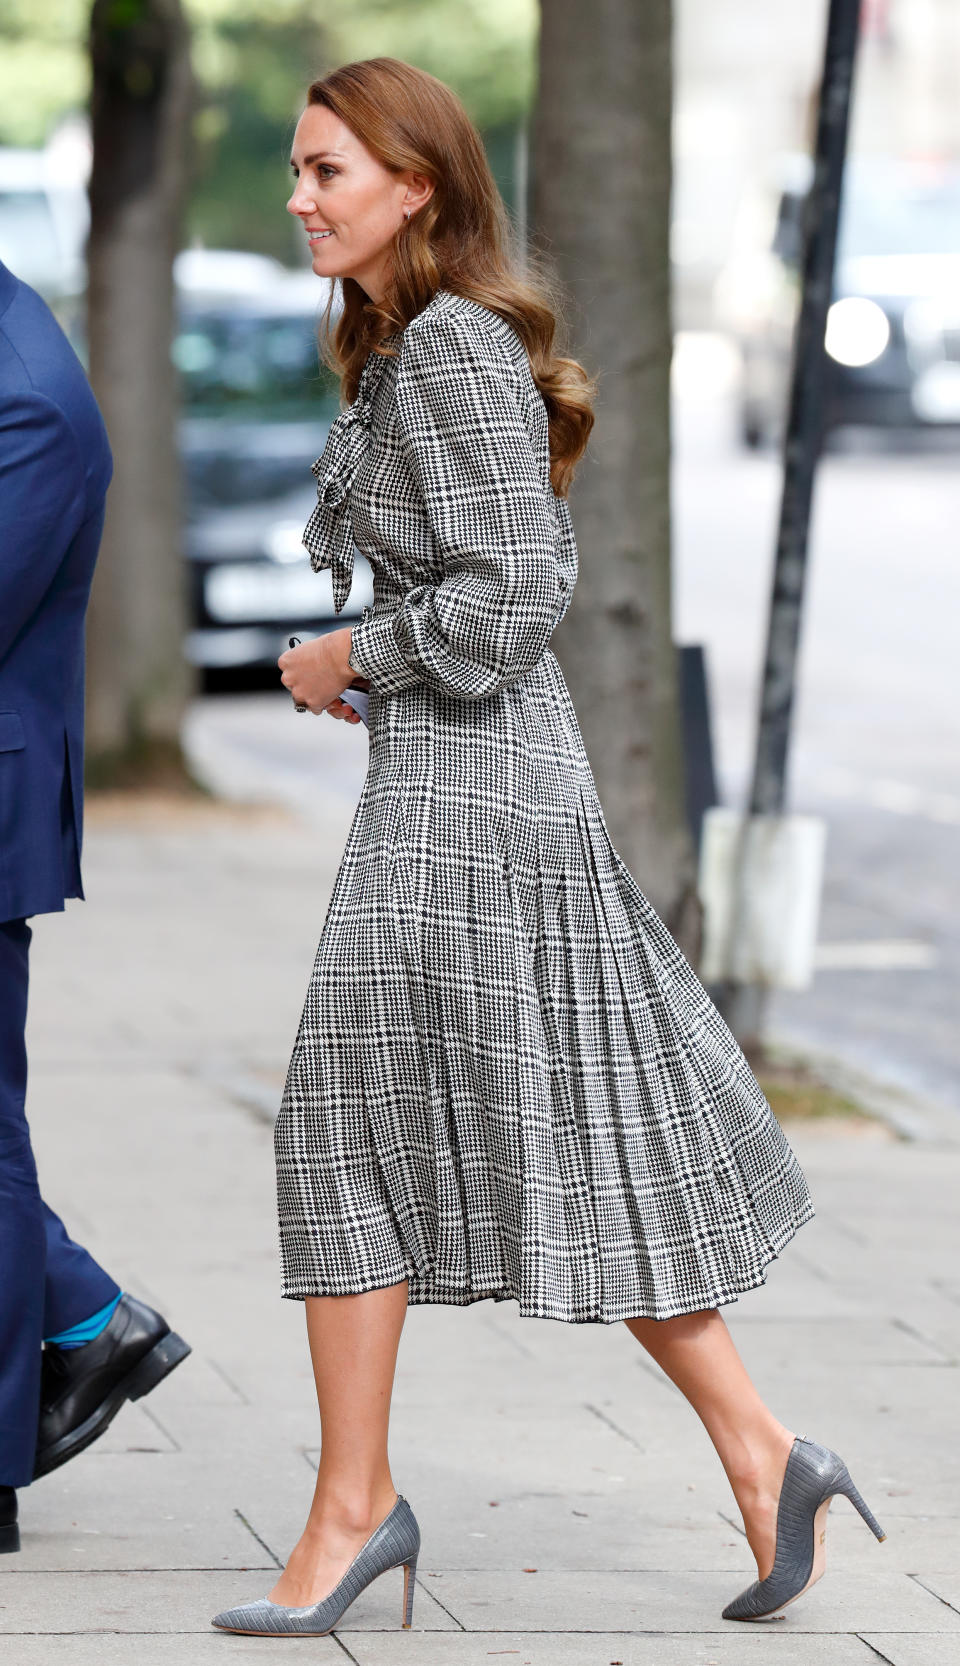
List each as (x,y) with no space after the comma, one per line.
(256,410)
(893,329)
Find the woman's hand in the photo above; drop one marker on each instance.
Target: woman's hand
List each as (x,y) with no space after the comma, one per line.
(340,708)
(317,672)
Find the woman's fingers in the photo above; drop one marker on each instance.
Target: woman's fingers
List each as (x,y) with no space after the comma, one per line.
(342,709)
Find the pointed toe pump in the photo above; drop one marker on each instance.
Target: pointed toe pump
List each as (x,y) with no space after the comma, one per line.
(813,1476)
(394,1544)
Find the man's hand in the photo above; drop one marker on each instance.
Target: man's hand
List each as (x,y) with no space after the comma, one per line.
(317,672)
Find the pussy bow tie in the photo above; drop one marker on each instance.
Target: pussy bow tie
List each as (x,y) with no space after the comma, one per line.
(328,536)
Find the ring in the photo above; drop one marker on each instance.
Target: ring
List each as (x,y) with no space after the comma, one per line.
(298,708)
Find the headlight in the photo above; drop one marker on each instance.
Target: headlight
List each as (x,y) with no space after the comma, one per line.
(857,331)
(284,542)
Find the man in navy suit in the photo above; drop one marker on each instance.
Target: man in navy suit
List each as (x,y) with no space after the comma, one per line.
(101,1347)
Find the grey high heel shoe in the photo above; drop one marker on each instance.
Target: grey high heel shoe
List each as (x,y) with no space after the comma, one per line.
(813,1476)
(394,1544)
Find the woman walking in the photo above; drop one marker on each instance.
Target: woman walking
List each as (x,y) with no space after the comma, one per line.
(507,1081)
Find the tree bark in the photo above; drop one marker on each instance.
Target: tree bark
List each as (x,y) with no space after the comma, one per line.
(141,106)
(601,215)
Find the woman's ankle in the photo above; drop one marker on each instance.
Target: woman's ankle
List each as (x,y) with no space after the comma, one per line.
(351,1511)
(751,1461)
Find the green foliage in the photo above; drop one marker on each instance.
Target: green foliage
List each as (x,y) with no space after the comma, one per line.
(483,48)
(250,93)
(253,60)
(44,72)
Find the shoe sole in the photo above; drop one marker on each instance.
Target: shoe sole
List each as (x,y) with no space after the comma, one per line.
(163,1358)
(235,1631)
(9,1538)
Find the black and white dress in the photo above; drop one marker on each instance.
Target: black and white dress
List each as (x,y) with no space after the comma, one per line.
(508,1081)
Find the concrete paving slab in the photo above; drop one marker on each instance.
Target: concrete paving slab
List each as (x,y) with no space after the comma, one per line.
(576,1532)
(656,1601)
(135,1514)
(844,1344)
(174,1649)
(946,1586)
(137,1602)
(121,1601)
(899,1648)
(517,1445)
(555,1531)
(494,1648)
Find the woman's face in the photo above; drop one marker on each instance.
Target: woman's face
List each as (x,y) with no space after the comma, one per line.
(349,204)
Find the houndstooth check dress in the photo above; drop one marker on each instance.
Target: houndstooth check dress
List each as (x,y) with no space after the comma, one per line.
(507,1080)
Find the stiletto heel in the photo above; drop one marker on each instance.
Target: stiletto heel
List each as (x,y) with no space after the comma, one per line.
(394,1544)
(846,1486)
(812,1477)
(409,1581)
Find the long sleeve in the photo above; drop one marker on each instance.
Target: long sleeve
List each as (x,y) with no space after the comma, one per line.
(490,617)
(42,499)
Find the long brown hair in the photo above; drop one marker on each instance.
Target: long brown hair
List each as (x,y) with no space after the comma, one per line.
(461,240)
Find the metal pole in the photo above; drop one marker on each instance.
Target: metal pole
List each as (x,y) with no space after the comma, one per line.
(743,1004)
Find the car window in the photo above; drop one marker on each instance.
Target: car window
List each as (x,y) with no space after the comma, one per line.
(221,477)
(248,364)
(894,212)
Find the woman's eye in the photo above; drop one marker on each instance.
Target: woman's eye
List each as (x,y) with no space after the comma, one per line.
(325,168)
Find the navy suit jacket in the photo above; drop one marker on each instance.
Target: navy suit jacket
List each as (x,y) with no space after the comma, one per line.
(55,467)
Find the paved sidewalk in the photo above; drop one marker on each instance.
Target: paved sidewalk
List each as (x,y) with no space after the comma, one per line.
(572,1509)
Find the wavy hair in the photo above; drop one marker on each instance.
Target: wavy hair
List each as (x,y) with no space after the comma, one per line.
(461,240)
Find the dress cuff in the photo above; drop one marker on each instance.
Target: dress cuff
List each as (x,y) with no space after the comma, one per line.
(374,653)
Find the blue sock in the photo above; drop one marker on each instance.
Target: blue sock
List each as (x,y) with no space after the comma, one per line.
(87,1330)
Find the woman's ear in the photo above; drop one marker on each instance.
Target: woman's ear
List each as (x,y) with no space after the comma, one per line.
(419,191)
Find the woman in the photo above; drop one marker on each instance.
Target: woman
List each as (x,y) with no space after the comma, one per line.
(508,1081)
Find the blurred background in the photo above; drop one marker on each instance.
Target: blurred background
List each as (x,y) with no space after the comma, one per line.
(874,755)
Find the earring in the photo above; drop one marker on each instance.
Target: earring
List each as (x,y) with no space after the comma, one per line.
(406,213)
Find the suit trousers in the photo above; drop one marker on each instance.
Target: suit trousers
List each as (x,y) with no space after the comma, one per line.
(47,1282)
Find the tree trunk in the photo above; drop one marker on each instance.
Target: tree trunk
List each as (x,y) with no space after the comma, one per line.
(601,214)
(141,106)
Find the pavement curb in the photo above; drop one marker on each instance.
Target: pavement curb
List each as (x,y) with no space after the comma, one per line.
(912,1116)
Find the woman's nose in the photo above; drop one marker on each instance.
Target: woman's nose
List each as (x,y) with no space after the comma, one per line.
(299,202)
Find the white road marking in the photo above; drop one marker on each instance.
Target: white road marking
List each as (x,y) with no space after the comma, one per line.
(879,955)
(883,793)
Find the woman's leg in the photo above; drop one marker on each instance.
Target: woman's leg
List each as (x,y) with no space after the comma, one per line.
(697,1353)
(353,1346)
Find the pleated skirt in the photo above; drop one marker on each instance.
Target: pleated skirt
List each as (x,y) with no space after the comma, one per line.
(508,1081)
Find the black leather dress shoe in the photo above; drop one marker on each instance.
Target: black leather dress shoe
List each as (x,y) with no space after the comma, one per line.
(82,1389)
(9,1530)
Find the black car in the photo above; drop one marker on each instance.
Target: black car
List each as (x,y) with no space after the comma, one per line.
(893,330)
(256,409)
